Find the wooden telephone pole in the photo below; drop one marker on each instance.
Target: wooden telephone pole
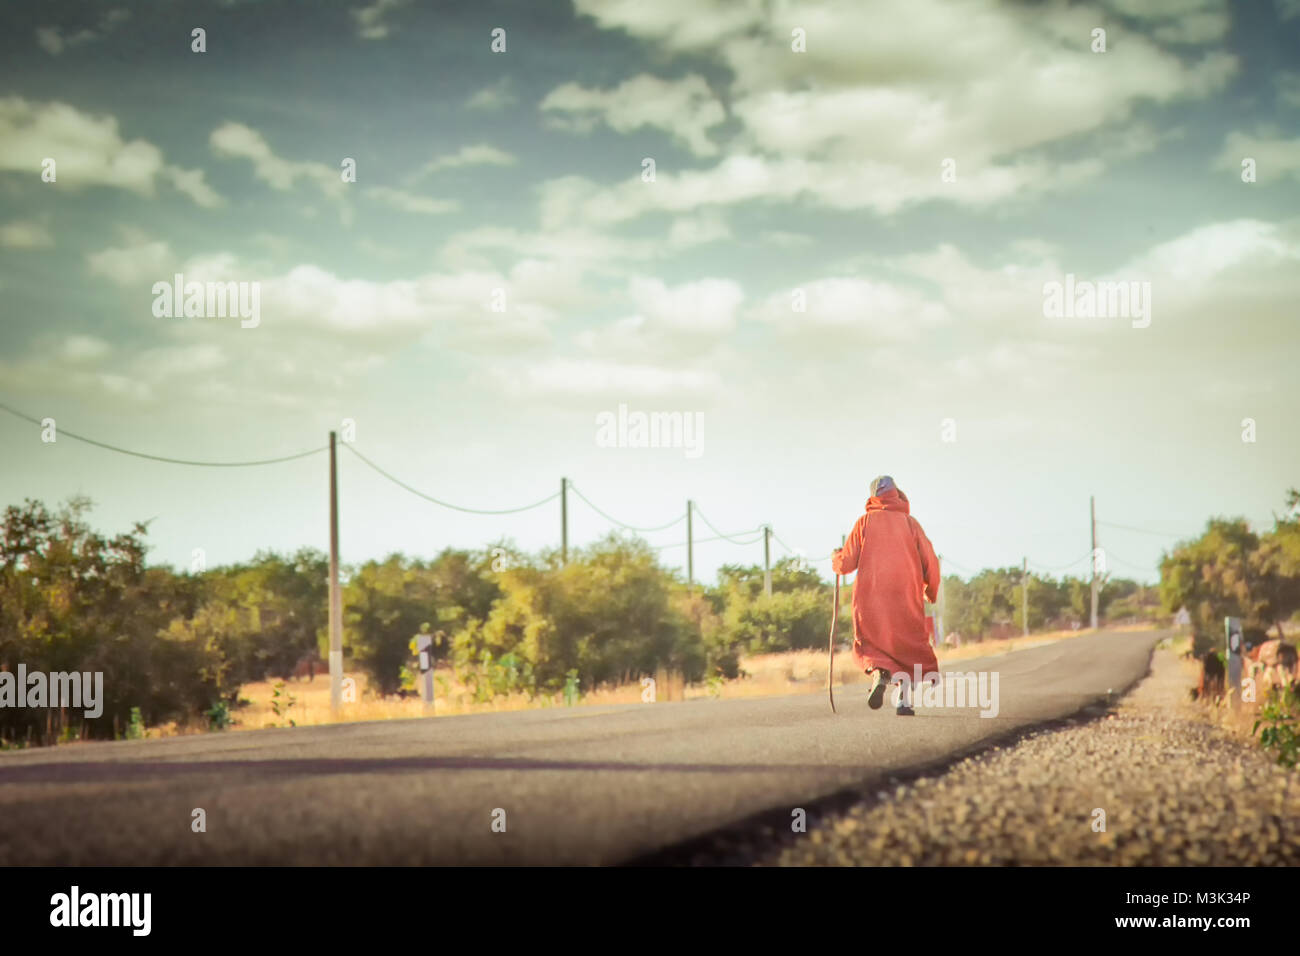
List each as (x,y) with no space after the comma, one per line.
(564,520)
(690,546)
(767,560)
(1092,510)
(336,594)
(1024,594)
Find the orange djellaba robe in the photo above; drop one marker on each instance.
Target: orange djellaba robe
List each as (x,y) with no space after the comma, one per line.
(897,571)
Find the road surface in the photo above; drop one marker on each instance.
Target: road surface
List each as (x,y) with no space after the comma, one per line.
(583,785)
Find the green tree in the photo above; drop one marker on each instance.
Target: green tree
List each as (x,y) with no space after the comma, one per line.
(1211,577)
(385,602)
(1275,569)
(72,599)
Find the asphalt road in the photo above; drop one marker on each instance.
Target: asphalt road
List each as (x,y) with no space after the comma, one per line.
(587,785)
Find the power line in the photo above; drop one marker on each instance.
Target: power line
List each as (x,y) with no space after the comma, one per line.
(777,538)
(622,524)
(710,526)
(791,550)
(1112,556)
(743,538)
(1061,567)
(682,544)
(447,504)
(1124,527)
(797,553)
(163,458)
(956,564)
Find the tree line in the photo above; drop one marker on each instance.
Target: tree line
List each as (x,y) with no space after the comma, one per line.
(180,645)
(1233,571)
(993,603)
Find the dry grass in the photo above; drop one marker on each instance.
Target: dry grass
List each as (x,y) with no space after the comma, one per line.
(763,675)
(311,702)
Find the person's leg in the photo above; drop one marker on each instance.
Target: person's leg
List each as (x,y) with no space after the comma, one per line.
(905,699)
(878,688)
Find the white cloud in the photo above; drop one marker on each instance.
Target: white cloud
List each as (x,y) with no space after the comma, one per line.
(582,378)
(1191,22)
(685,109)
(1206,253)
(864,118)
(1031,365)
(690,231)
(745,178)
(480,154)
(1244,267)
(50,40)
(1288,88)
(243,142)
(409,202)
(707,306)
(192,183)
(1007,295)
(582,247)
(387,315)
(88,151)
(669,322)
(496,96)
(866,310)
(678,25)
(785,239)
(371,20)
(126,386)
(25,234)
(139,261)
(1275,158)
(318,329)
(53,41)
(179,361)
(81,348)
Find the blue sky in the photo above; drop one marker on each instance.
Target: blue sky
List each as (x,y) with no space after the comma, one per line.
(922,349)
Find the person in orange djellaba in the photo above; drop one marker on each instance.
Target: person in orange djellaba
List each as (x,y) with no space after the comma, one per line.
(897,571)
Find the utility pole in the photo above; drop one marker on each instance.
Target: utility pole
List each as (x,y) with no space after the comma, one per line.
(564,520)
(336,594)
(767,560)
(1024,593)
(690,547)
(1092,510)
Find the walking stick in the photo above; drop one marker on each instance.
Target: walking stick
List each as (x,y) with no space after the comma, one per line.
(830,675)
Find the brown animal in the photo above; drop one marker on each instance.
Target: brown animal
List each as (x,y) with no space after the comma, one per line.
(308,665)
(1212,678)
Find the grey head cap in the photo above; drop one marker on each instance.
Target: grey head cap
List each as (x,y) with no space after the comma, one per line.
(881,485)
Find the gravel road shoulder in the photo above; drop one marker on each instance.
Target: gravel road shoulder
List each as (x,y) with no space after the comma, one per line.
(1174,789)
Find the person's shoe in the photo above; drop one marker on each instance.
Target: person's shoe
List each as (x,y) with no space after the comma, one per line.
(878,688)
(905,711)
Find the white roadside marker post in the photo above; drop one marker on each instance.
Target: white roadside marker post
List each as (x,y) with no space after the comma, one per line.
(424,648)
(1232,625)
